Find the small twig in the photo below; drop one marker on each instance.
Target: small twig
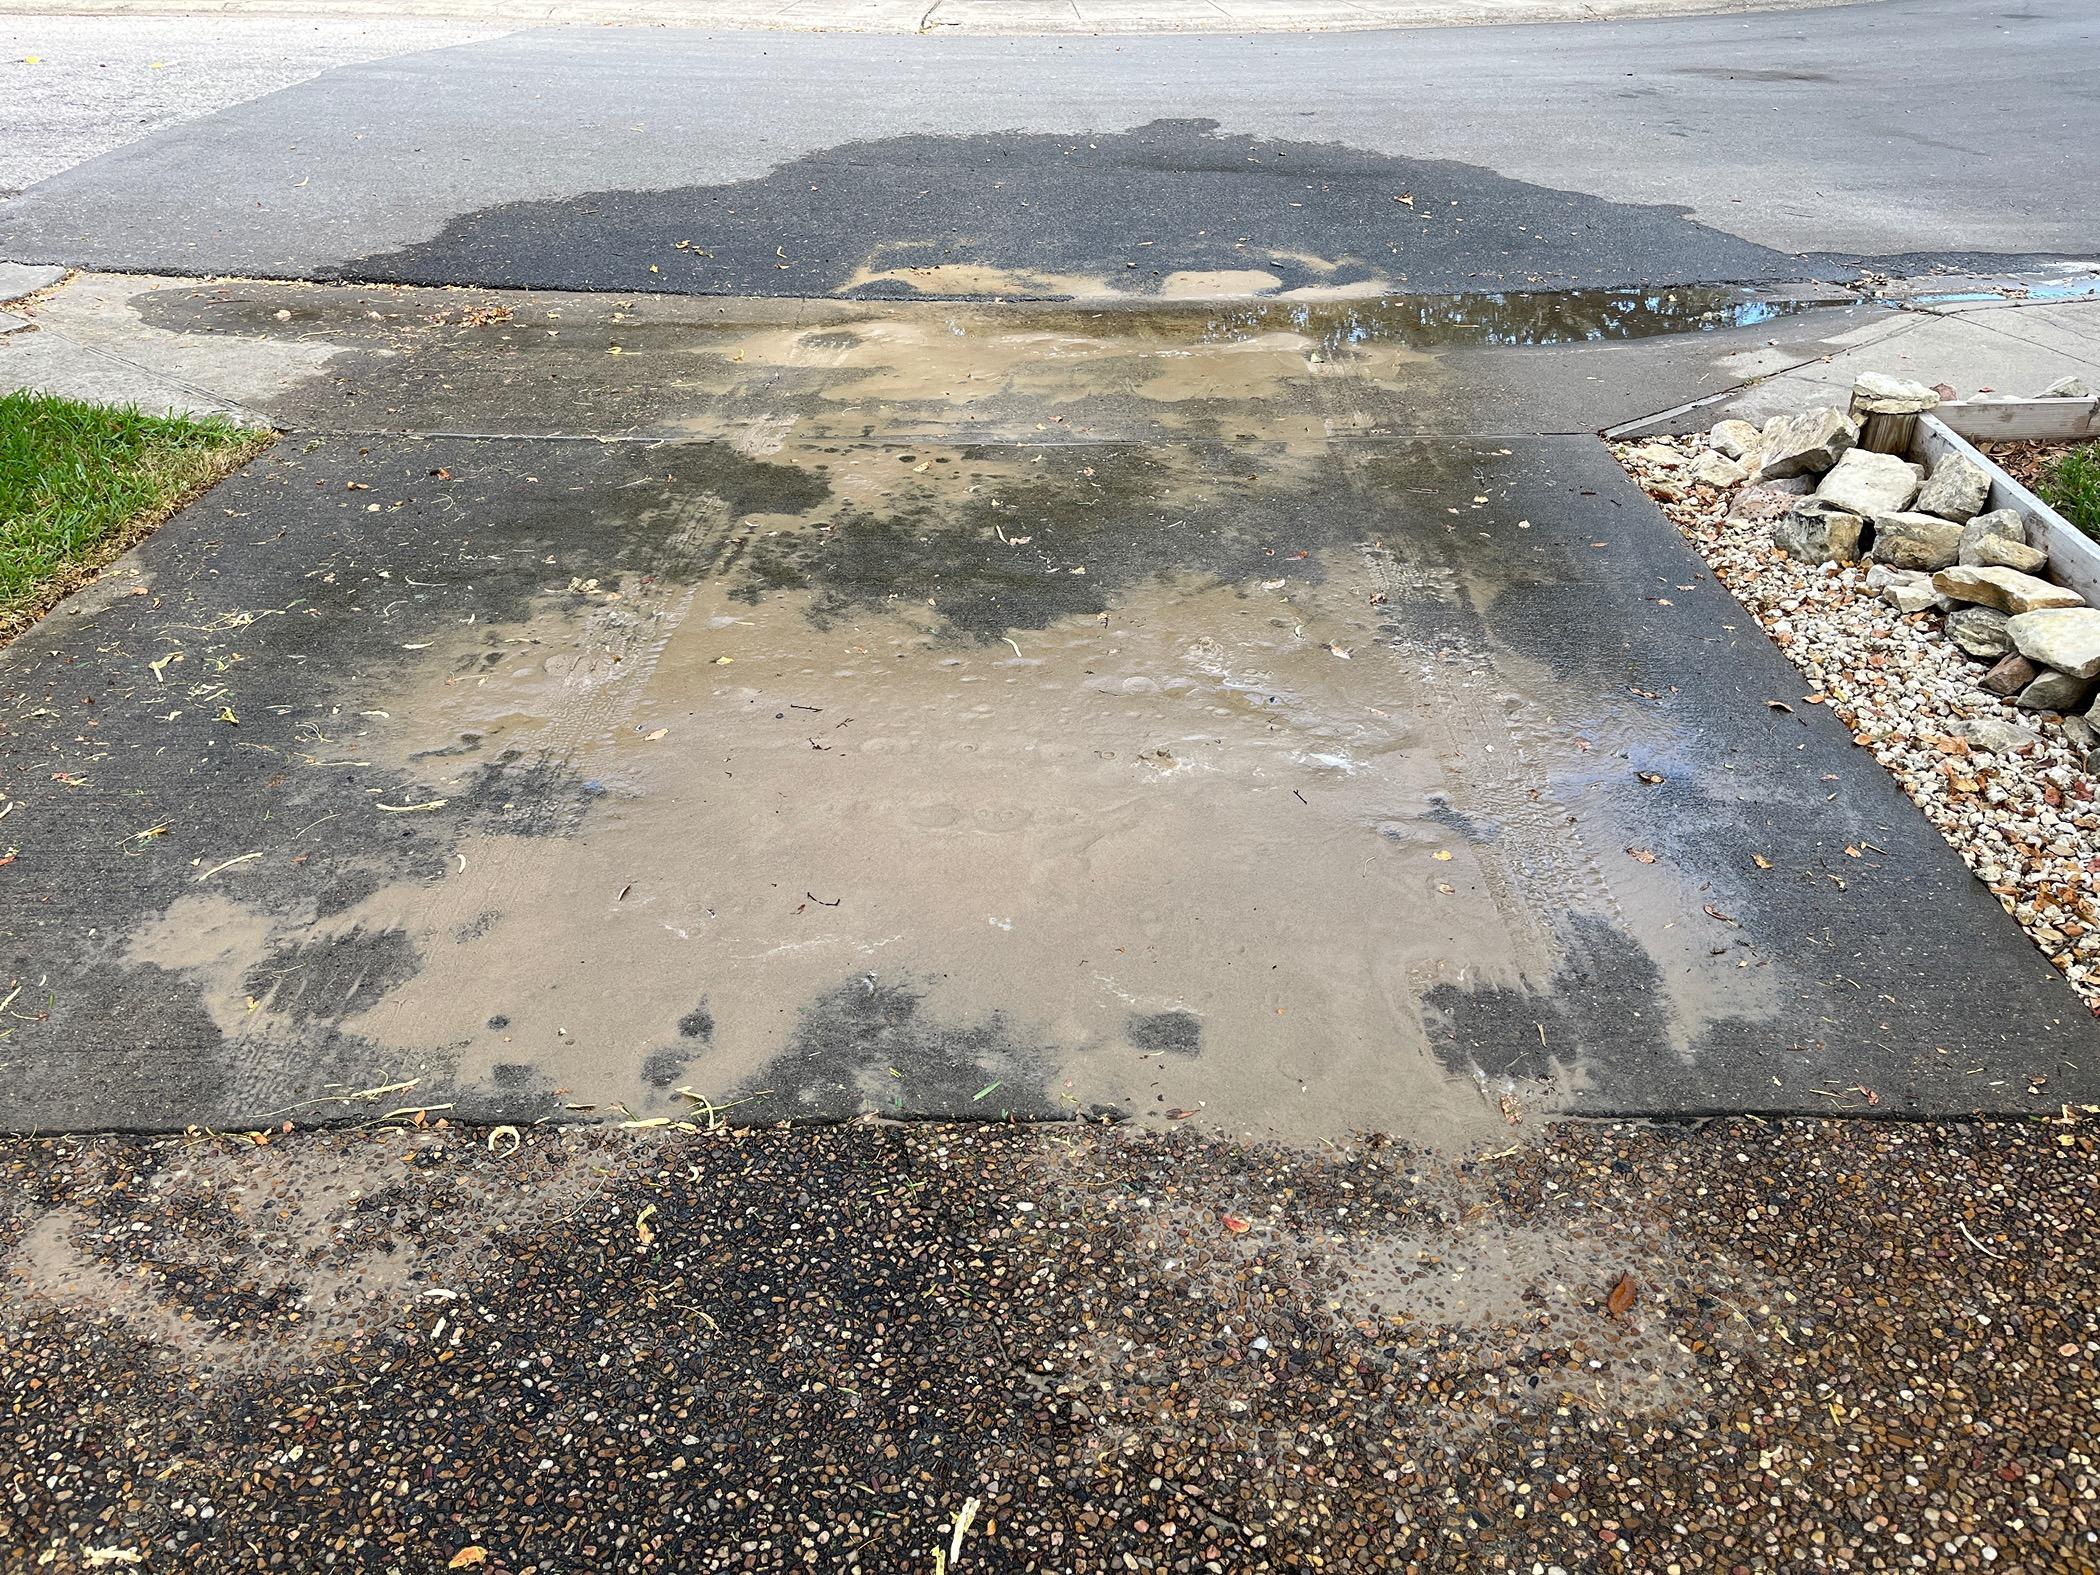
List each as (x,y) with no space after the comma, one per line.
(1963,1227)
(229,864)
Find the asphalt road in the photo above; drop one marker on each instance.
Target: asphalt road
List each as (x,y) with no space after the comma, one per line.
(74,87)
(1784,145)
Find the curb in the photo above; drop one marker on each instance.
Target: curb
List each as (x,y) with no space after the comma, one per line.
(979,18)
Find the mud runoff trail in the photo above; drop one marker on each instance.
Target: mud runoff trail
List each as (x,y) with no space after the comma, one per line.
(929,710)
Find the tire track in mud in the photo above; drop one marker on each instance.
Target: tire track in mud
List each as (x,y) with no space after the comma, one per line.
(1542,878)
(1539,871)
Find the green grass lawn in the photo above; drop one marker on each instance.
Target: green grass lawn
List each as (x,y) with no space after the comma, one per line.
(2071,486)
(80,483)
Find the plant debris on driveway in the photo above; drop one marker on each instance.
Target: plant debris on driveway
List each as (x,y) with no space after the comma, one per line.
(1745,1347)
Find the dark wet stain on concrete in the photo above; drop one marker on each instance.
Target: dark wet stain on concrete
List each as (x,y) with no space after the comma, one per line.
(666,1068)
(1176,1033)
(1133,209)
(1441,810)
(874,1047)
(1606,1013)
(331,978)
(698,1024)
(1060,537)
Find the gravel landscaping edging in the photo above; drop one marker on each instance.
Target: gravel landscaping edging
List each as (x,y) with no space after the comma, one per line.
(2012,789)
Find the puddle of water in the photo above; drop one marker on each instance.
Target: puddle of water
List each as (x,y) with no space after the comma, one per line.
(1357,320)
(1910,294)
(1149,860)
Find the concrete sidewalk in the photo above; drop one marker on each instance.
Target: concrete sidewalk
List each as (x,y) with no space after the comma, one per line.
(940,16)
(2007,346)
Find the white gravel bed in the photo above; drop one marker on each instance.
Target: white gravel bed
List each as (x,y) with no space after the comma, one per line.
(2027,823)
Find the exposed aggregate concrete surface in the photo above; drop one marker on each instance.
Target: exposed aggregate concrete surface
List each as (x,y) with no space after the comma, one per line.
(1738,1347)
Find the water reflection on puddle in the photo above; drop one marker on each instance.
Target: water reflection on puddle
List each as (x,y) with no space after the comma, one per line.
(1497,317)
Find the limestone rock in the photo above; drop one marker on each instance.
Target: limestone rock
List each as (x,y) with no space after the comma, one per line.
(1911,594)
(2067,388)
(2065,638)
(1980,631)
(1996,552)
(2010,675)
(1710,469)
(1880,575)
(2010,524)
(1878,394)
(1736,439)
(2008,590)
(2082,734)
(1915,541)
(1811,535)
(1810,442)
(1869,484)
(1659,455)
(1999,738)
(2055,692)
(1957,489)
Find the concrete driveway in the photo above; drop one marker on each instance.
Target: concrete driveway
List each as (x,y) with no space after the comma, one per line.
(941,710)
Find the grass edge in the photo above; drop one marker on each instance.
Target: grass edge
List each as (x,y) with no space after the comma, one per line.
(19,619)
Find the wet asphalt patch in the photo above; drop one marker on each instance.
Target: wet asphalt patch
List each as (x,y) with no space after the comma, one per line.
(974,781)
(1019,215)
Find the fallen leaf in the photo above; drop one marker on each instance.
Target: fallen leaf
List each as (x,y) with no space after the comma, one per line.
(1652,778)
(470,1555)
(1619,1301)
(1641,855)
(1760,861)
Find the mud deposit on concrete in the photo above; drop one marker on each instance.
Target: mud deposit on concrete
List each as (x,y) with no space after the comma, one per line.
(1026,716)
(756,373)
